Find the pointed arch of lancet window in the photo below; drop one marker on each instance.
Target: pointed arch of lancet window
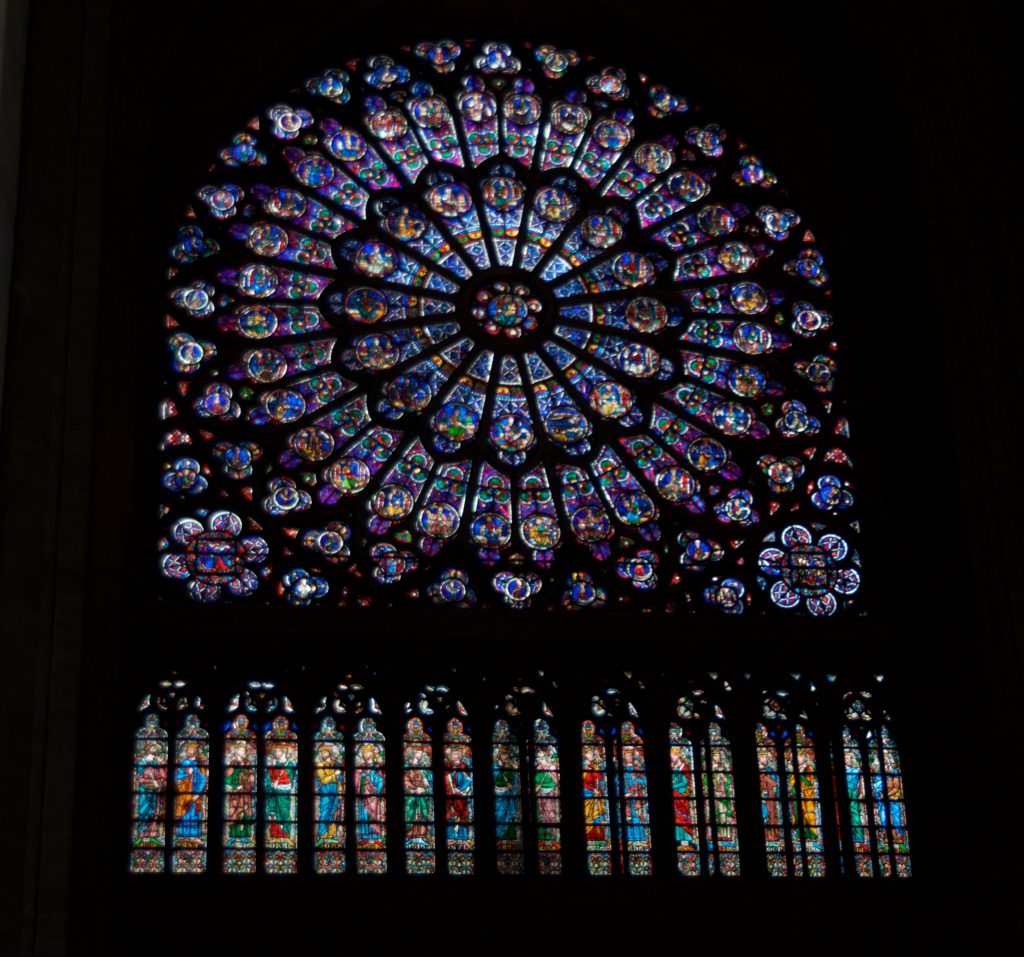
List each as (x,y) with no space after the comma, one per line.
(501,325)
(527,780)
(703,781)
(170,782)
(439,803)
(874,791)
(261,781)
(616,803)
(788,760)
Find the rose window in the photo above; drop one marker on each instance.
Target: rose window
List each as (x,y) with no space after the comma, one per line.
(489,325)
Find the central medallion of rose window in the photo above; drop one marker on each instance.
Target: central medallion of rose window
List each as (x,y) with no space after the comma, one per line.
(507,309)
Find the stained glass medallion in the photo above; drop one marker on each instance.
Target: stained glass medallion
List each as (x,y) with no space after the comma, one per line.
(473,324)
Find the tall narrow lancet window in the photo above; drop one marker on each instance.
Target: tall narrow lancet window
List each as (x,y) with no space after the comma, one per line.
(191,797)
(507,770)
(149,803)
(369,791)
(527,786)
(438,785)
(874,790)
(349,776)
(787,763)
(460,815)
(329,797)
(597,817)
(418,798)
(240,796)
(261,768)
(703,784)
(281,796)
(170,780)
(616,803)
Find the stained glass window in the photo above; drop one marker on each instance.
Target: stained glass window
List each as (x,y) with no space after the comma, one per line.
(459,804)
(597,818)
(547,797)
(261,782)
(438,784)
(240,797)
(703,784)
(370,792)
(527,782)
(826,780)
(191,797)
(506,767)
(790,796)
(329,798)
(281,801)
(170,782)
(721,826)
(616,803)
(874,790)
(494,325)
(149,787)
(418,787)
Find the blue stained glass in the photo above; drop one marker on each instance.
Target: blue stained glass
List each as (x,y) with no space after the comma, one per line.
(516,311)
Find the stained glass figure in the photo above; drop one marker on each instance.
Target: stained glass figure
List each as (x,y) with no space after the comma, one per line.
(329,798)
(191,797)
(874,790)
(527,781)
(280,797)
(483,327)
(418,790)
(596,810)
(459,804)
(721,825)
(370,799)
(634,811)
(547,798)
(790,798)
(703,787)
(240,797)
(684,802)
(149,804)
(506,760)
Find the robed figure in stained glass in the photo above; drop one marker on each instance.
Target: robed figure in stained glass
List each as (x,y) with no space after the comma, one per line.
(191,782)
(419,790)
(507,808)
(595,797)
(460,790)
(682,795)
(240,784)
(280,791)
(150,784)
(328,792)
(369,785)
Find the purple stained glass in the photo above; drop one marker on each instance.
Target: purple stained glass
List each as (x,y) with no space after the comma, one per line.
(488,325)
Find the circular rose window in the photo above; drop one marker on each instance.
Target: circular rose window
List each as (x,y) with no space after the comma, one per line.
(475,324)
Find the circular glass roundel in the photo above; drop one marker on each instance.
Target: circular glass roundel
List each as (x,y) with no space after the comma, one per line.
(506,316)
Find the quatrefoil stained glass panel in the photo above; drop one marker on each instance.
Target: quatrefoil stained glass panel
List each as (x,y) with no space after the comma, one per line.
(475,324)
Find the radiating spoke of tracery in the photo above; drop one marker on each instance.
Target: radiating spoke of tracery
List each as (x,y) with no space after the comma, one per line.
(501,326)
